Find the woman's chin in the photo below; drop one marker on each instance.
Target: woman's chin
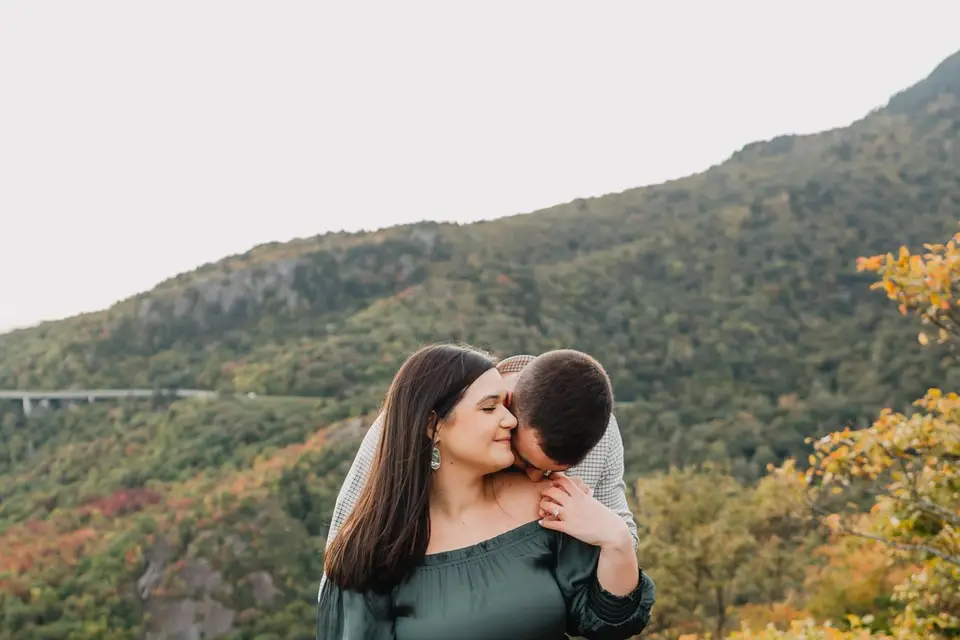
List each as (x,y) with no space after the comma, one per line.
(502,456)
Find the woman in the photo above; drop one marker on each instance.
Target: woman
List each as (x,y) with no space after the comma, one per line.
(443,543)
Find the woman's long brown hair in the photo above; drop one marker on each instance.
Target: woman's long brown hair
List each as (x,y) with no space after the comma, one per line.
(385,536)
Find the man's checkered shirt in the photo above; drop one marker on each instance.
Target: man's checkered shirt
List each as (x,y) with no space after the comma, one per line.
(601,469)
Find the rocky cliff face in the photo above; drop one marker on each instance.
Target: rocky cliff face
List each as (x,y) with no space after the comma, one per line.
(191,600)
(323,281)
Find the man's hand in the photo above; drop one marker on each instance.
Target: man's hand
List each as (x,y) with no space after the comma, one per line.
(577,481)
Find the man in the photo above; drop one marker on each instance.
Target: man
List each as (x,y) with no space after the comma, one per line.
(563,402)
(565,423)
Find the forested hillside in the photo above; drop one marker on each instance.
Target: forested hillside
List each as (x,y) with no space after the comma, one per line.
(726,306)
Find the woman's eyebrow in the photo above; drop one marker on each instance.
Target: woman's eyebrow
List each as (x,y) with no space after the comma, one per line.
(490,396)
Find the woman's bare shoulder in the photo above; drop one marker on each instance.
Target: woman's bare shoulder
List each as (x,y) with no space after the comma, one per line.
(518,493)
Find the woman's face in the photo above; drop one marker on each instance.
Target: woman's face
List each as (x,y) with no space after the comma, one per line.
(477,432)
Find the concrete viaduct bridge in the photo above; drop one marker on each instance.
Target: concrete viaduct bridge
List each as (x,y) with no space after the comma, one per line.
(32,399)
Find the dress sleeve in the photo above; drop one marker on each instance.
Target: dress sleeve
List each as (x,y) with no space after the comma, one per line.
(350,615)
(593,612)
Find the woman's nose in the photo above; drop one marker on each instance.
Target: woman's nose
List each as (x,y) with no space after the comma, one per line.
(509,421)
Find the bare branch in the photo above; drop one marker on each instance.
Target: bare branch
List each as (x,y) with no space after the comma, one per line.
(920,502)
(935,321)
(922,548)
(933,508)
(955,320)
(902,546)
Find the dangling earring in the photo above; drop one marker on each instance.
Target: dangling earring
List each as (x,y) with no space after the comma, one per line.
(435,458)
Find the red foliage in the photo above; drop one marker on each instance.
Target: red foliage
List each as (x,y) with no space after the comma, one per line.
(18,588)
(122,502)
(230,368)
(132,557)
(21,552)
(179,504)
(37,527)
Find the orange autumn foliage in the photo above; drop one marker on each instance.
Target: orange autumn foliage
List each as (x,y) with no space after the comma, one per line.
(21,550)
(855,575)
(781,614)
(65,537)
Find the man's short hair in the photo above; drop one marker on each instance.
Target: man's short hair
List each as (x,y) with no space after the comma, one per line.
(566,396)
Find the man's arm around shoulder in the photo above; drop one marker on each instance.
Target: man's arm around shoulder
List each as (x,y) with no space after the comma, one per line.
(353,484)
(355,479)
(611,490)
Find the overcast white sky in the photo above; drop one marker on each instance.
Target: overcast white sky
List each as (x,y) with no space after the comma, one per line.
(139,140)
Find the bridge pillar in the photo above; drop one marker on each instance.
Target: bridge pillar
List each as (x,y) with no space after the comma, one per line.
(27,406)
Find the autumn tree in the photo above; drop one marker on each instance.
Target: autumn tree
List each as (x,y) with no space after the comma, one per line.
(906,462)
(855,576)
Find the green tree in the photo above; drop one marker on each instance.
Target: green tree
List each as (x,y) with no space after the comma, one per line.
(697,541)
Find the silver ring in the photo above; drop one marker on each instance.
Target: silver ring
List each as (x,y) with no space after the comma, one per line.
(556,511)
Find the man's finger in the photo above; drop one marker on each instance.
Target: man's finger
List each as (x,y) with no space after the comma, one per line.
(576,480)
(567,484)
(557,495)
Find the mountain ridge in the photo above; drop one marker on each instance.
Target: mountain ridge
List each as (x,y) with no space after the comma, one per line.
(945,78)
(508,283)
(334,275)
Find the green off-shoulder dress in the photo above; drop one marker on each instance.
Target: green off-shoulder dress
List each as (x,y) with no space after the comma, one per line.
(529,583)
